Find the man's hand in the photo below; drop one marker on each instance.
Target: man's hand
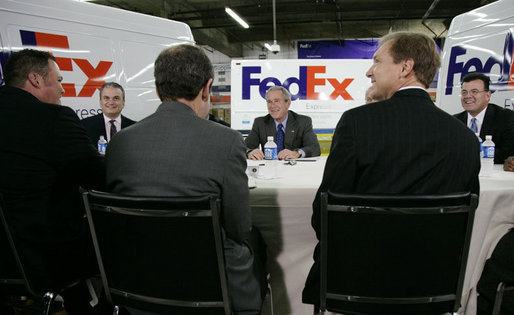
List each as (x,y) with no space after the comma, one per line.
(509,164)
(255,154)
(288,154)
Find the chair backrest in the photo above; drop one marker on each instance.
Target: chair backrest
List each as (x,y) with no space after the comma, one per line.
(161,254)
(12,280)
(394,254)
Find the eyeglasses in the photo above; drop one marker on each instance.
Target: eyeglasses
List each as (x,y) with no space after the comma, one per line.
(472,92)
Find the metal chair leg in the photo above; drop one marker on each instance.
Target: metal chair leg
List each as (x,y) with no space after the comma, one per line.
(48,298)
(498,298)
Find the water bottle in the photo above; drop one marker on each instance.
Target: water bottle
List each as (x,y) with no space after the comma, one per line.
(102,145)
(270,157)
(480,142)
(487,160)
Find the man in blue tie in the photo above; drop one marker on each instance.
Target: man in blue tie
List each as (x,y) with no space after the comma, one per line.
(292,132)
(485,118)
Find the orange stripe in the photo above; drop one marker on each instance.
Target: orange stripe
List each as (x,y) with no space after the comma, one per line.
(52,40)
(64,63)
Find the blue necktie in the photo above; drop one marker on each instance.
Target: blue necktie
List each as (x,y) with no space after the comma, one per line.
(474,125)
(280,138)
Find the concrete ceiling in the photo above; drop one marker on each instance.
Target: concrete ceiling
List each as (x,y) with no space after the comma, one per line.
(301,20)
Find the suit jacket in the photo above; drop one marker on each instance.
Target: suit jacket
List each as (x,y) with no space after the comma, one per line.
(95,126)
(499,123)
(298,134)
(45,156)
(403,145)
(180,154)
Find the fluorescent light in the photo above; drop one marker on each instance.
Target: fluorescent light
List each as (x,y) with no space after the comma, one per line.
(267,46)
(236,17)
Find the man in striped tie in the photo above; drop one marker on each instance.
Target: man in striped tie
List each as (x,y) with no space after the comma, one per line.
(292,132)
(110,121)
(486,118)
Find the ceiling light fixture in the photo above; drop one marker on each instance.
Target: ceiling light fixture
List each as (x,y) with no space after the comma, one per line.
(275,48)
(236,17)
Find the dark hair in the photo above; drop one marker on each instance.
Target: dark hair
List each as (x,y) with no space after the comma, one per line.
(114,85)
(418,47)
(181,72)
(23,62)
(477,76)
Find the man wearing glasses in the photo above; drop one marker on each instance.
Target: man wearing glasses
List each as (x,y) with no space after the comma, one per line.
(484,118)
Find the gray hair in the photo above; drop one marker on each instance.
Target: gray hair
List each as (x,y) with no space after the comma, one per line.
(285,92)
(113,85)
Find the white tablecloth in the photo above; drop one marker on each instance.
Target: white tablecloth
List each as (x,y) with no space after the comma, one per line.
(282,208)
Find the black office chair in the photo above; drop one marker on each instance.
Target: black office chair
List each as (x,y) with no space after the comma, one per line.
(394,254)
(14,281)
(160,254)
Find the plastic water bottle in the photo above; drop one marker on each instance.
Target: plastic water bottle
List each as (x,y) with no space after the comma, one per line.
(487,160)
(480,142)
(102,145)
(270,157)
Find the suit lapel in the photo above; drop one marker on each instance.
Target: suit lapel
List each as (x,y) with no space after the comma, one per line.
(271,130)
(123,122)
(101,126)
(290,133)
(488,122)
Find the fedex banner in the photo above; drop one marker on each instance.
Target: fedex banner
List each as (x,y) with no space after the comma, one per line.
(322,89)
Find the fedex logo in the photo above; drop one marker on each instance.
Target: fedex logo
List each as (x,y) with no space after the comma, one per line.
(94,74)
(505,65)
(309,78)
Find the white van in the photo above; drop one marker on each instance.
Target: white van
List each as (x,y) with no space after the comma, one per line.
(481,40)
(93,44)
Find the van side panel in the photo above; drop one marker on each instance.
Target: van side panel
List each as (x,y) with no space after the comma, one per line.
(481,40)
(92,46)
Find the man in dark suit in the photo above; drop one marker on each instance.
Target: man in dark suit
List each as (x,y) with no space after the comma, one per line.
(402,145)
(484,118)
(298,138)
(45,156)
(107,124)
(181,153)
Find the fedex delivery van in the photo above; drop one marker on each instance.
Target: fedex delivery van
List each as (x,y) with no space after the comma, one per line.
(93,44)
(481,40)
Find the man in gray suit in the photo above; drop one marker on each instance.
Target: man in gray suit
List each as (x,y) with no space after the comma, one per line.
(177,152)
(292,132)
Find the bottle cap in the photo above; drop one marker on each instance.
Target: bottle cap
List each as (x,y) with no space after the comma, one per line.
(101,138)
(270,138)
(488,137)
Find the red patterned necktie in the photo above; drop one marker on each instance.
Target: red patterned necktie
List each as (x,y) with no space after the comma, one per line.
(113,128)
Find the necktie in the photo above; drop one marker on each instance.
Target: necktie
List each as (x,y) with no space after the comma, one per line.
(280,138)
(113,128)
(474,125)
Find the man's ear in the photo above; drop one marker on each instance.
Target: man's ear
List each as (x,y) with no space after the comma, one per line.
(206,90)
(407,66)
(34,79)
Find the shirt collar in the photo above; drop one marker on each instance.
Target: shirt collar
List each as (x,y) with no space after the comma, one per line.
(479,117)
(283,123)
(117,119)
